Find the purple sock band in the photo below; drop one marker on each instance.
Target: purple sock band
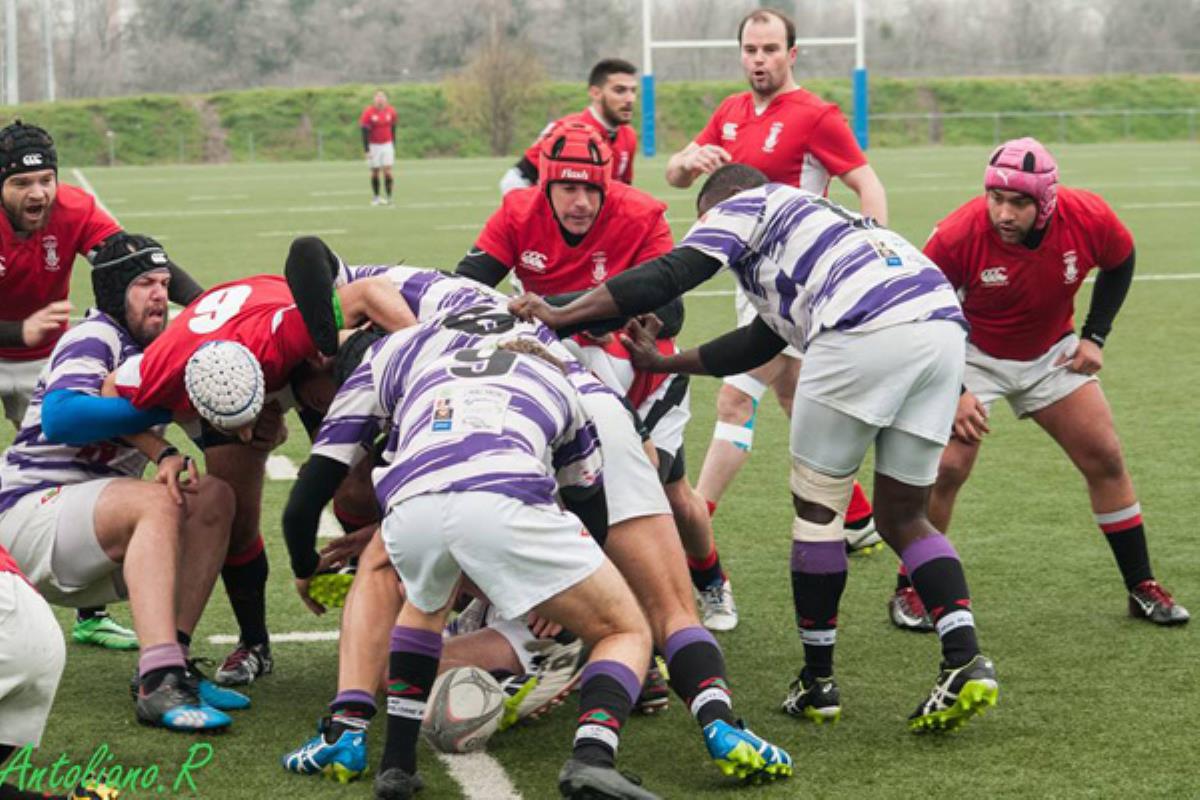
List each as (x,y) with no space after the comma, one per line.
(922,551)
(160,656)
(620,673)
(353,696)
(819,558)
(414,640)
(685,636)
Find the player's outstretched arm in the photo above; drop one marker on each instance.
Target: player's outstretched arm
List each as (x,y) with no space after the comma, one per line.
(733,353)
(872,198)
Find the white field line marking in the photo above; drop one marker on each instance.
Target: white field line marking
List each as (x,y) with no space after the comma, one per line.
(329,527)
(466,189)
(281,468)
(195,197)
(282,234)
(276,638)
(338,193)
(480,776)
(86,185)
(320,209)
(468,226)
(1180,204)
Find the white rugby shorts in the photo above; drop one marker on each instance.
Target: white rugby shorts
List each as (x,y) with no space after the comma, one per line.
(519,555)
(1028,386)
(18,379)
(32,656)
(51,535)
(381,155)
(631,485)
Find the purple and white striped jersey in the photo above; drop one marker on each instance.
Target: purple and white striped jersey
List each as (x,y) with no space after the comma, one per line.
(80,362)
(463,416)
(427,291)
(808,265)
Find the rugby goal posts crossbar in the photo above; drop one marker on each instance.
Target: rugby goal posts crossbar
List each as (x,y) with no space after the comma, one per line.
(860,123)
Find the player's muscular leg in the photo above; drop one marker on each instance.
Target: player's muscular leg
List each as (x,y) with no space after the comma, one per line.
(486,649)
(243,468)
(648,553)
(204,544)
(1082,424)
(602,611)
(735,408)
(137,524)
(691,517)
(900,512)
(953,470)
(783,379)
(372,604)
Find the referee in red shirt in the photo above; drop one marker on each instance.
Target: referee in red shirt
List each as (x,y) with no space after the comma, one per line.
(378,125)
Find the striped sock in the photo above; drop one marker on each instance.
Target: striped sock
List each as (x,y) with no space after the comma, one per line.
(1126,535)
(938,577)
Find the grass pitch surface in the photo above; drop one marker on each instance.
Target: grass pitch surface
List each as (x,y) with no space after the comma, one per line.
(1092,704)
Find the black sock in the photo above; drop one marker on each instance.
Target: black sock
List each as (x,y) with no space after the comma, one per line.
(154,678)
(697,669)
(1129,549)
(607,692)
(388,182)
(818,579)
(938,577)
(706,572)
(815,599)
(375,185)
(349,710)
(184,639)
(89,613)
(246,585)
(412,669)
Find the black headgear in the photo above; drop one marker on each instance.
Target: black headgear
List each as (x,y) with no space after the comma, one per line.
(117,263)
(25,148)
(311,270)
(352,352)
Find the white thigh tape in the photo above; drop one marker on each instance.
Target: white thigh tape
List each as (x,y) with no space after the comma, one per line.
(748,385)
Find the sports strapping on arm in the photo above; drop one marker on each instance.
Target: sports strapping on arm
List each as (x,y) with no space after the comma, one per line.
(318,481)
(1107,297)
(741,350)
(11,333)
(481,266)
(75,418)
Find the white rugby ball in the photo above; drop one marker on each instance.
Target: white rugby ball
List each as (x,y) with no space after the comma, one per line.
(464,710)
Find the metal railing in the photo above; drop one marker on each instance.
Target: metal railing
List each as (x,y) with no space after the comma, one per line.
(1075,125)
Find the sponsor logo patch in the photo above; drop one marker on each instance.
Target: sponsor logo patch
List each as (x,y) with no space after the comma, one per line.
(50,243)
(729,131)
(772,137)
(1070,267)
(994,276)
(32,160)
(533,260)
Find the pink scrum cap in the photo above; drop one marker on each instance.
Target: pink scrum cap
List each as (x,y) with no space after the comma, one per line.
(1025,166)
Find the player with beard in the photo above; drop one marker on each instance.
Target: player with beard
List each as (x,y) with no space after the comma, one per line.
(285,323)
(1018,256)
(612,87)
(44,226)
(793,137)
(78,519)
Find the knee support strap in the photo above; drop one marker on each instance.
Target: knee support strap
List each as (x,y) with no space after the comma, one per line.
(826,490)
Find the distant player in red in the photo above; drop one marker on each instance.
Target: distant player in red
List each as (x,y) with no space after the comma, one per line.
(378,124)
(1018,256)
(280,321)
(612,87)
(44,226)
(793,137)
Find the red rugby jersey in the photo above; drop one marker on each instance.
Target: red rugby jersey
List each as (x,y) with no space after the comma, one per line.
(630,229)
(259,312)
(798,139)
(622,140)
(35,271)
(1020,301)
(379,121)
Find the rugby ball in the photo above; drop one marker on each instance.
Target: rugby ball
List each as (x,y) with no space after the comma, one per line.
(464,710)
(225,384)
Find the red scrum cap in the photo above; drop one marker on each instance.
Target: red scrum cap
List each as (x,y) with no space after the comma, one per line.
(574,151)
(1025,166)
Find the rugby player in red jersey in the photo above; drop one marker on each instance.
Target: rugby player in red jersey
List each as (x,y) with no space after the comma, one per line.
(794,137)
(572,232)
(44,226)
(1018,255)
(378,125)
(612,88)
(290,326)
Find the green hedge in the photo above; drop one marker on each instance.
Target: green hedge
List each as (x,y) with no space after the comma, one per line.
(304,124)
